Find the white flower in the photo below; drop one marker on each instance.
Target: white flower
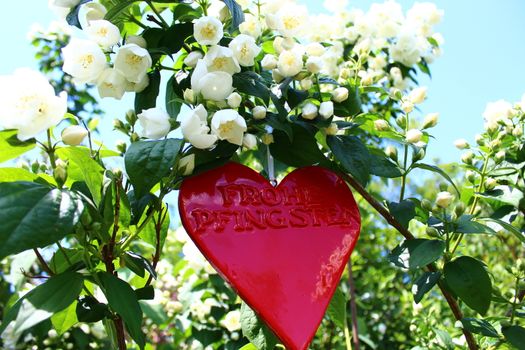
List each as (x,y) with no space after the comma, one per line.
(91,11)
(192,58)
(444,199)
(425,12)
(314,64)
(306,84)
(496,111)
(326,109)
(413,136)
(137,40)
(189,96)
(249,141)
(461,144)
(228,125)
(220,58)
(418,95)
(195,129)
(208,30)
(244,49)
(73,135)
(232,321)
(138,87)
(198,73)
(291,20)
(133,62)
(290,62)
(216,86)
(430,120)
(269,62)
(187,164)
(315,49)
(28,103)
(381,125)
(103,32)
(340,94)
(332,129)
(84,60)
(251,26)
(309,111)
(155,123)
(407,106)
(259,112)
(111,83)
(234,100)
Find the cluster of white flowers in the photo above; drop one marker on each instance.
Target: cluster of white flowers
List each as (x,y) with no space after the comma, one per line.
(86,59)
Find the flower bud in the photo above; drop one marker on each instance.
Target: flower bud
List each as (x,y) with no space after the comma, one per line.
(461,144)
(407,106)
(432,232)
(74,135)
(192,58)
(326,109)
(467,157)
(490,183)
(306,84)
(60,171)
(381,125)
(234,100)
(430,120)
(413,136)
(480,140)
(418,155)
(277,76)
(391,152)
(418,95)
(426,204)
(401,121)
(444,199)
(459,209)
(267,139)
(119,125)
(500,156)
(249,141)
(187,164)
(121,146)
(259,112)
(189,96)
(517,131)
(310,111)
(395,94)
(269,62)
(131,117)
(340,94)
(135,137)
(471,176)
(332,129)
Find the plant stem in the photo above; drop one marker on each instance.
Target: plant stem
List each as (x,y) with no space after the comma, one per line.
(51,150)
(162,21)
(515,300)
(43,263)
(404,176)
(353,307)
(348,341)
(454,307)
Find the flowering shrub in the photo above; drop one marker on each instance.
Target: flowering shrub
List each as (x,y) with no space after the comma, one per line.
(269,85)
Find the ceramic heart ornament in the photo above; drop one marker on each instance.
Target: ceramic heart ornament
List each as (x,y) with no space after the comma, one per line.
(283,249)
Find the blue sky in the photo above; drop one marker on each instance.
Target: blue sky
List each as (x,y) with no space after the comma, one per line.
(483,61)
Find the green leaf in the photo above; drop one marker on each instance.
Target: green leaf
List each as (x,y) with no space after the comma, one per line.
(83,168)
(147,162)
(416,253)
(173,102)
(236,12)
(249,346)
(466,225)
(255,330)
(154,312)
(381,165)
(469,280)
(302,151)
(424,284)
(34,215)
(477,326)
(515,335)
(72,16)
(352,154)
(122,299)
(351,106)
(337,308)
(59,263)
(12,147)
(514,230)
(88,310)
(49,298)
(65,319)
(252,84)
(444,339)
(16,174)
(148,97)
(403,211)
(138,264)
(439,171)
(145,293)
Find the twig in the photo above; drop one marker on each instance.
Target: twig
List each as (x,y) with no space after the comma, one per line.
(43,263)
(156,256)
(452,303)
(353,306)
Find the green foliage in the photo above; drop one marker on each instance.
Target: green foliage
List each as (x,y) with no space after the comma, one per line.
(255,330)
(12,147)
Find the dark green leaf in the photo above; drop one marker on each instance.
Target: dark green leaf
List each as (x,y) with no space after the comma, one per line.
(444,339)
(381,165)
(482,327)
(515,335)
(337,308)
(514,230)
(173,102)
(403,211)
(34,215)
(12,147)
(53,296)
(90,310)
(123,301)
(138,264)
(147,162)
(72,16)
(148,97)
(352,154)
(66,259)
(154,312)
(437,170)
(255,330)
(466,225)
(205,335)
(210,159)
(145,293)
(236,12)
(252,84)
(424,284)
(416,253)
(351,106)
(302,151)
(469,280)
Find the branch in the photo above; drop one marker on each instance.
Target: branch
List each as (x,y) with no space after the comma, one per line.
(42,262)
(452,303)
(353,307)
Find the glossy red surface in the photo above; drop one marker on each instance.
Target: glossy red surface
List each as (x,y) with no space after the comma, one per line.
(283,249)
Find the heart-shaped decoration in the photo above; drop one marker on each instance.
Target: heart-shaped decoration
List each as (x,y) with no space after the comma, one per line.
(283,248)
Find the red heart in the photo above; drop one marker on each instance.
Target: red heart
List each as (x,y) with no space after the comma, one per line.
(283,249)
